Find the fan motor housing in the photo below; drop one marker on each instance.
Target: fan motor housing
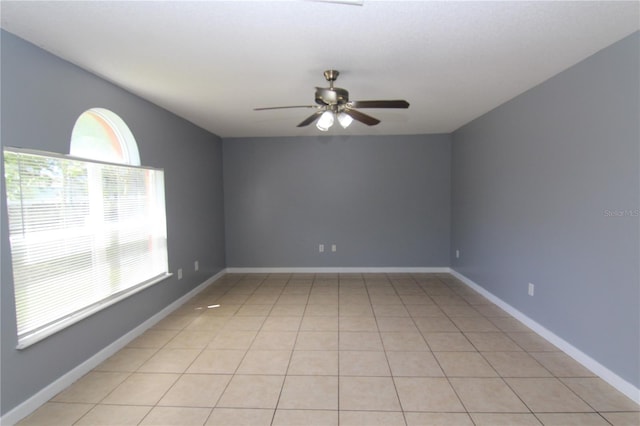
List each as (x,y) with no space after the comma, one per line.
(331,96)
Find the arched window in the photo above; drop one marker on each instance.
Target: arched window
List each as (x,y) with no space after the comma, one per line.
(86,230)
(100,134)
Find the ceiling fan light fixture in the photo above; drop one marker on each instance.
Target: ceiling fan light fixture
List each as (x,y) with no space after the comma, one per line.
(326,121)
(344,119)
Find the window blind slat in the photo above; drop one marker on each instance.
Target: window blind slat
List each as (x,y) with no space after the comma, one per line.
(81,233)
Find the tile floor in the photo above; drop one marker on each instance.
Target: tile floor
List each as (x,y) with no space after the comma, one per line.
(354,349)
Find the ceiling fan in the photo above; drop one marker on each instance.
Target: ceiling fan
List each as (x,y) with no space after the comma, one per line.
(333,102)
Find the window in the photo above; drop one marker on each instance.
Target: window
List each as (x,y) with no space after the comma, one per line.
(84,233)
(100,134)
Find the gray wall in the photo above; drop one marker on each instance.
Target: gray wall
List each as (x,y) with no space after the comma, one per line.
(531,185)
(41,98)
(384,201)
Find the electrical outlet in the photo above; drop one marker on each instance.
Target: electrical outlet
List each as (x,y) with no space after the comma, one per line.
(180,273)
(457,254)
(196,265)
(531,289)
(321,248)
(333,248)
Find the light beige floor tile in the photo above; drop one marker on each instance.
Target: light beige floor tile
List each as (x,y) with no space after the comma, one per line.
(487,395)
(435,324)
(233,340)
(126,360)
(491,310)
(437,305)
(287,310)
(153,339)
(191,339)
(309,392)
(265,362)
(305,417)
(403,341)
(231,298)
(317,323)
(245,323)
(532,342)
(195,390)
(262,299)
(396,324)
(319,363)
(363,363)
(355,309)
(504,419)
(174,322)
(443,291)
(322,310)
(254,310)
(240,417)
(141,389)
(323,299)
(207,323)
(442,300)
(384,299)
(170,361)
(414,364)
(416,299)
(358,324)
(464,364)
(600,395)
(460,311)
(515,364)
(368,393)
(547,396)
(572,419)
(429,310)
(471,324)
(427,394)
(438,419)
(114,415)
(390,311)
(317,341)
(348,299)
(293,299)
(282,324)
(492,342)
(56,413)
(252,391)
(509,324)
(91,388)
(371,418)
(622,419)
(274,340)
(224,361)
(561,364)
(178,416)
(448,342)
(224,310)
(360,341)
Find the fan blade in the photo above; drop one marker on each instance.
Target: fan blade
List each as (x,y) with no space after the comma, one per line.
(361,117)
(286,107)
(313,117)
(380,104)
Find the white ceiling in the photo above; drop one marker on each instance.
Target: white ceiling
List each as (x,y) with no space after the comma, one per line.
(211,62)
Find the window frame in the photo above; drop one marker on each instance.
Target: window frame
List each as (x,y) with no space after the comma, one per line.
(55,326)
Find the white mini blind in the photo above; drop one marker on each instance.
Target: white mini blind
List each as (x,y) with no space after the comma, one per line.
(83,234)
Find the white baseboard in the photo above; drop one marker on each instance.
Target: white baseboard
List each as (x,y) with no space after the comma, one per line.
(34,402)
(339,270)
(628,389)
